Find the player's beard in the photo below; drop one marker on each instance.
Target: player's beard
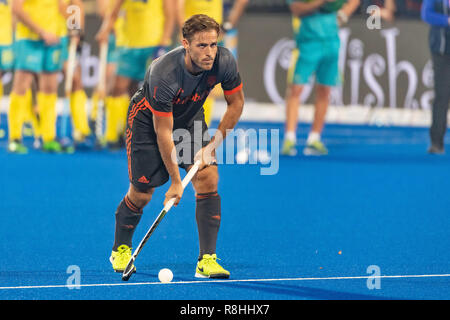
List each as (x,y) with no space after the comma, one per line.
(197,67)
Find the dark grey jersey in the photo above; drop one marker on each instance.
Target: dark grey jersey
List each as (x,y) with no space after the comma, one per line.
(171,90)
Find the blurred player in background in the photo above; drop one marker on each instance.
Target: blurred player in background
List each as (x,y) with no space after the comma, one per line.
(78,97)
(104,8)
(6,40)
(147,33)
(316,31)
(38,51)
(437,14)
(214,9)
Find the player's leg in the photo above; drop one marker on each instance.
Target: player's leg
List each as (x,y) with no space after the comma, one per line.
(128,215)
(111,68)
(46,99)
(131,68)
(47,96)
(6,63)
(2,131)
(208,217)
(116,106)
(293,93)
(303,64)
(321,105)
(110,79)
(28,61)
(78,101)
(314,144)
(146,171)
(18,109)
(34,112)
(1,84)
(208,202)
(78,98)
(327,75)
(441,66)
(208,209)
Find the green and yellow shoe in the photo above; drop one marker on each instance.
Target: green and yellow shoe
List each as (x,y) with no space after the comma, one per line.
(208,267)
(316,148)
(289,148)
(17,147)
(52,147)
(120,258)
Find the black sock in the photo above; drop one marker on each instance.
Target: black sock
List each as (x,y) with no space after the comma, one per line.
(207,214)
(127,218)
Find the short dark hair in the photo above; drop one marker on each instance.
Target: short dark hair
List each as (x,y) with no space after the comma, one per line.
(199,23)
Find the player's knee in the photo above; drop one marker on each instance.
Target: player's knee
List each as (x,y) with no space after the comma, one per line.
(294,91)
(323,90)
(48,84)
(77,82)
(140,198)
(22,82)
(207,180)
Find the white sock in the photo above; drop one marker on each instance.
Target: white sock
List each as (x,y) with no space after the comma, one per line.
(313,137)
(291,136)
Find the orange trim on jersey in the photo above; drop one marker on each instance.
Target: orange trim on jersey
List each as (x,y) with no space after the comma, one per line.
(157,113)
(228,92)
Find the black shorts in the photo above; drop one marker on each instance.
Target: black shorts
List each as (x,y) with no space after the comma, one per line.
(146,168)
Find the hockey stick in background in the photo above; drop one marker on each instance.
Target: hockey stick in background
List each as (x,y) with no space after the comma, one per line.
(70,70)
(101,91)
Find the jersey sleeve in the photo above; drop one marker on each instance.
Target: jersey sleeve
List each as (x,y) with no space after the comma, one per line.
(160,97)
(230,78)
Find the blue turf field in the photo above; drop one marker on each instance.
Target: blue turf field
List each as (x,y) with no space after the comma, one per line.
(308,232)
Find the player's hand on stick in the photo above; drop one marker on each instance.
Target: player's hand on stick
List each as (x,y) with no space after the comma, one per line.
(76,35)
(175,191)
(342,18)
(102,36)
(207,156)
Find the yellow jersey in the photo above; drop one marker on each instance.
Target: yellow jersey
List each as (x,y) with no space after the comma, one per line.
(62,21)
(143,23)
(6,32)
(45,13)
(212,8)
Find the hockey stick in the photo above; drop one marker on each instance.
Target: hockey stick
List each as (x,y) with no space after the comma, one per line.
(130,268)
(70,69)
(101,91)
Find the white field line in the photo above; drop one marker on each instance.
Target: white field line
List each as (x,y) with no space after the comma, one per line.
(226,281)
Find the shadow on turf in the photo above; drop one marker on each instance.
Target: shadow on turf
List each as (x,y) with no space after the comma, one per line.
(297,292)
(302,292)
